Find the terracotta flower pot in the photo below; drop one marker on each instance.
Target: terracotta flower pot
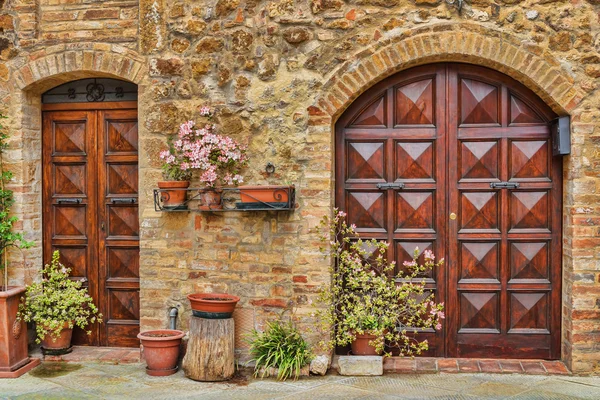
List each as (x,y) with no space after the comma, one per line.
(361,347)
(62,342)
(213,305)
(161,350)
(174,196)
(264,194)
(210,199)
(13,333)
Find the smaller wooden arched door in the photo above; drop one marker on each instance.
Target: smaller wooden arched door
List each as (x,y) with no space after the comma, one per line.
(457,159)
(90,199)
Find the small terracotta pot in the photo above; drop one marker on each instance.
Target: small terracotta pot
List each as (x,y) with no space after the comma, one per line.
(161,350)
(213,305)
(176,197)
(210,199)
(361,347)
(62,342)
(265,194)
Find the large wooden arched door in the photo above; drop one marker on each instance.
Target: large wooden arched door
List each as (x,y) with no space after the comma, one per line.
(457,159)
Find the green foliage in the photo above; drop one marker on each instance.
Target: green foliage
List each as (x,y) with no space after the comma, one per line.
(56,300)
(367,297)
(8,238)
(280,346)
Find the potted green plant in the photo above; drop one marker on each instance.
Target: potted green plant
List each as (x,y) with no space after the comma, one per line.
(14,360)
(56,304)
(365,305)
(280,350)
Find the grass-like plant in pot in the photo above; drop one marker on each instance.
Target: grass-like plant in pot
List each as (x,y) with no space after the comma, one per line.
(366,306)
(57,304)
(279,348)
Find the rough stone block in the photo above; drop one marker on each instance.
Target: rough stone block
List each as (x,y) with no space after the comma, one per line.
(360,365)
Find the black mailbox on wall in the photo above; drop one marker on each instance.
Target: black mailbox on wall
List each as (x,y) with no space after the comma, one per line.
(561,136)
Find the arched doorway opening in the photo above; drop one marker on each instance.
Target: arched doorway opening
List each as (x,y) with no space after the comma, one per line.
(458,159)
(90,198)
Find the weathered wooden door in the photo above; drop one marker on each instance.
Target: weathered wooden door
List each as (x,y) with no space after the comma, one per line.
(90,204)
(457,159)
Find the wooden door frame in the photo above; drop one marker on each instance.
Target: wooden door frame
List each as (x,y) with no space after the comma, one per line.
(46,177)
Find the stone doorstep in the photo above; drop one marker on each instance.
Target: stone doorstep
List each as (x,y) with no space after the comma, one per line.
(115,355)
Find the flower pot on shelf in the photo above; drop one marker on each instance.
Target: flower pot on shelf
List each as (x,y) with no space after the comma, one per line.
(210,199)
(14,359)
(161,350)
(213,305)
(174,195)
(60,344)
(361,346)
(264,196)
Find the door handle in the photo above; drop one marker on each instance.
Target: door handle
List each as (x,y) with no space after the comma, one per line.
(395,185)
(504,185)
(69,201)
(127,200)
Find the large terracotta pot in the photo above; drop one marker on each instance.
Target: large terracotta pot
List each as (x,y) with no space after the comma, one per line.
(14,359)
(264,194)
(213,305)
(210,199)
(174,196)
(62,342)
(161,350)
(361,347)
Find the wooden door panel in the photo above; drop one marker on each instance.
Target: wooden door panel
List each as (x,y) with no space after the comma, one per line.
(415,212)
(479,102)
(367,210)
(529,261)
(365,161)
(373,115)
(479,212)
(479,262)
(529,211)
(479,312)
(415,161)
(478,160)
(530,160)
(414,103)
(528,313)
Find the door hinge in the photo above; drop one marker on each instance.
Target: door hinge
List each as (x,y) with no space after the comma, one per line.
(504,185)
(396,185)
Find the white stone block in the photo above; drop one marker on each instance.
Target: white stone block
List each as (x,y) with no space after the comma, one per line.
(360,365)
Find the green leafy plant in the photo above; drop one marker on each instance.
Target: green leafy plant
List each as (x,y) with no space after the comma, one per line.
(280,346)
(367,295)
(56,299)
(8,238)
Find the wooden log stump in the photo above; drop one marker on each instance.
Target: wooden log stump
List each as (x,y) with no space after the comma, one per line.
(210,350)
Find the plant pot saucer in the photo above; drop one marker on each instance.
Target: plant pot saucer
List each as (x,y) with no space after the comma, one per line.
(161,372)
(56,352)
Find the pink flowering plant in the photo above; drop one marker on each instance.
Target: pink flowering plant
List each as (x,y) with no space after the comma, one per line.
(57,299)
(366,296)
(198,147)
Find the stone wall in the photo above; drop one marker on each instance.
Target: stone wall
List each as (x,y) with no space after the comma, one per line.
(280,73)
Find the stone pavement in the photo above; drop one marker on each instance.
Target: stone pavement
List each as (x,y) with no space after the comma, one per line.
(62,380)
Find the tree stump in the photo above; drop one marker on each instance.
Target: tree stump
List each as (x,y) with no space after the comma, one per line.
(209,356)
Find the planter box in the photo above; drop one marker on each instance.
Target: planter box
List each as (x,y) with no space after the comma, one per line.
(265,194)
(14,360)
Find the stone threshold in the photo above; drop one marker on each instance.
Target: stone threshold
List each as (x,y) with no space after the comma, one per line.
(114,355)
(427,365)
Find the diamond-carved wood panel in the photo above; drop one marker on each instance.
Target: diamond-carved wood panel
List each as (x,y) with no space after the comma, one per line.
(529,210)
(365,161)
(367,211)
(415,211)
(123,262)
(74,258)
(529,260)
(521,113)
(479,211)
(122,137)
(405,251)
(415,103)
(479,312)
(124,304)
(529,159)
(415,161)
(479,260)
(122,178)
(528,312)
(373,115)
(69,138)
(478,160)
(69,179)
(479,102)
(70,221)
(123,221)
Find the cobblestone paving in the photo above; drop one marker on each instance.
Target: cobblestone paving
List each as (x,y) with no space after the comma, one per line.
(109,381)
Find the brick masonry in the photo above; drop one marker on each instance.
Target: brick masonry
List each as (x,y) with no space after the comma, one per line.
(280,72)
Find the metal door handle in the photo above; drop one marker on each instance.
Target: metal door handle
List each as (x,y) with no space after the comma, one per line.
(128,200)
(69,201)
(395,185)
(504,185)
